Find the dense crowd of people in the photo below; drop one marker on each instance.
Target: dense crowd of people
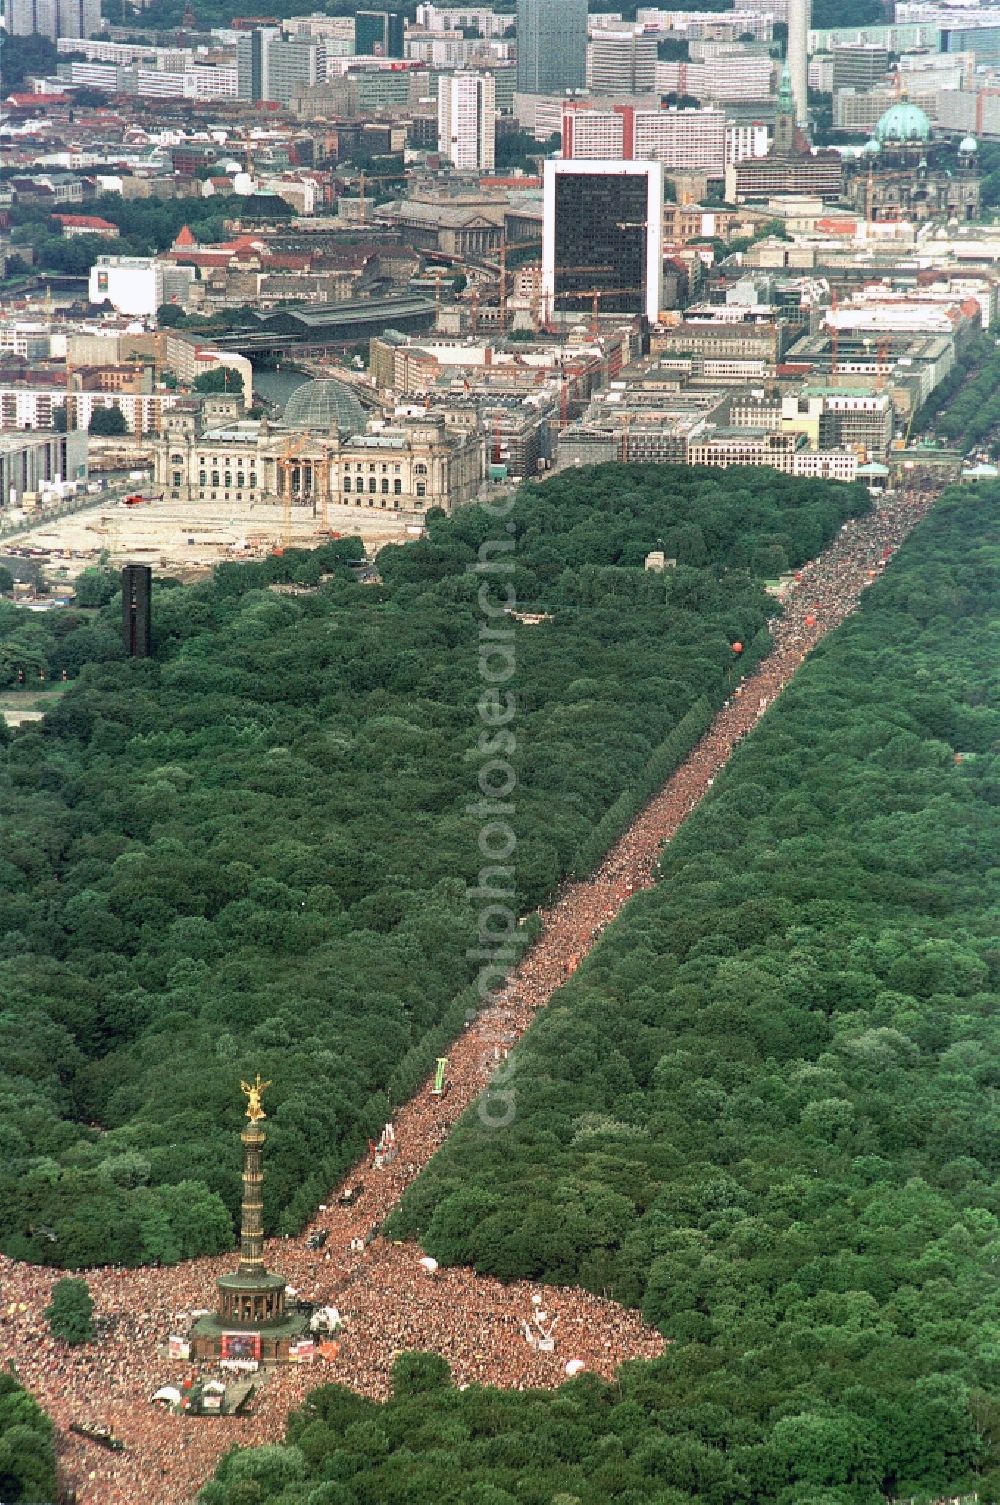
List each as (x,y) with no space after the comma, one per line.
(389,1300)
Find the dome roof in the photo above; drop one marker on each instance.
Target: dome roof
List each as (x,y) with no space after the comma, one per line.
(968,144)
(903,122)
(323,405)
(871,147)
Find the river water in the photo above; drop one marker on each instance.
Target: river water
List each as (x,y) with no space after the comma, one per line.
(278,386)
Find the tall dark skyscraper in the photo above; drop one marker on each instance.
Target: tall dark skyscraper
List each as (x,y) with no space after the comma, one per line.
(378,33)
(551,45)
(137,590)
(602,237)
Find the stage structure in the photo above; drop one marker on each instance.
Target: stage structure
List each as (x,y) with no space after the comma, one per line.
(538,1332)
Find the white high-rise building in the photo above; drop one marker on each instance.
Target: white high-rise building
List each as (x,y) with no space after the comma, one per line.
(621,62)
(291,63)
(733,74)
(799,14)
(467,119)
(682,140)
(743,141)
(272,67)
(53,18)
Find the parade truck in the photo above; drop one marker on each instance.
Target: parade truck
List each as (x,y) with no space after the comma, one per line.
(325,1320)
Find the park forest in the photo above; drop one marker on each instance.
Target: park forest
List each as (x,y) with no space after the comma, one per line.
(785,1152)
(764,1111)
(252,851)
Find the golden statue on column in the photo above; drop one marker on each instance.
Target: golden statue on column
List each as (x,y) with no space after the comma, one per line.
(254,1091)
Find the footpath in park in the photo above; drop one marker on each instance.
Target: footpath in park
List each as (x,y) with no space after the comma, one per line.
(389,1301)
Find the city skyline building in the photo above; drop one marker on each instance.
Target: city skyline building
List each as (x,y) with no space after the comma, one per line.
(53,18)
(602,237)
(270,66)
(467,121)
(378,33)
(251,61)
(621,62)
(682,140)
(293,62)
(551,46)
(799,16)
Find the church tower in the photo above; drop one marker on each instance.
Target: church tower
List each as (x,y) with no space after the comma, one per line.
(784,119)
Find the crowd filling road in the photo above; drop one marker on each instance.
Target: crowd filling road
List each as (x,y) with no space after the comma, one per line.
(389,1300)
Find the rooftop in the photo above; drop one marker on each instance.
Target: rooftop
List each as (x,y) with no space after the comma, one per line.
(903,122)
(228,432)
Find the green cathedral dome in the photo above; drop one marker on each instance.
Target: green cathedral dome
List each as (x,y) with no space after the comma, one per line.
(903,122)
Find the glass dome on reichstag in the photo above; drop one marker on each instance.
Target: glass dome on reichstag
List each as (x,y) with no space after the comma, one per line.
(903,122)
(322,406)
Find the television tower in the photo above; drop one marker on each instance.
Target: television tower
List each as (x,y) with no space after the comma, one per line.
(799,16)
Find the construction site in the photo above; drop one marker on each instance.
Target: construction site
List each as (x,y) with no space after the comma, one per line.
(187,541)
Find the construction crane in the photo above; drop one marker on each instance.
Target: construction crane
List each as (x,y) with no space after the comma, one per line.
(439,274)
(291,465)
(834,334)
(881,362)
(505,246)
(594,294)
(502,300)
(496,449)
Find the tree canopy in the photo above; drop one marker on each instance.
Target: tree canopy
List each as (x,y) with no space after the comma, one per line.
(253,850)
(71,1311)
(27,1453)
(145,226)
(784,1149)
(108,421)
(219,379)
(965,407)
